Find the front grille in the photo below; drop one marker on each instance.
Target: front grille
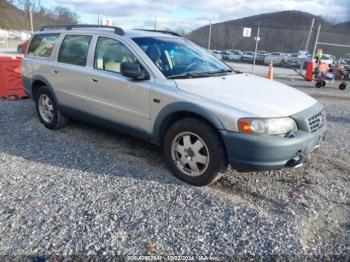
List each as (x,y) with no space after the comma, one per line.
(317,121)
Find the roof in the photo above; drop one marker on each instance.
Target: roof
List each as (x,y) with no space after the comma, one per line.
(146,33)
(95,29)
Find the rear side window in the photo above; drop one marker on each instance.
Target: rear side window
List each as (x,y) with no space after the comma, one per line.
(42,45)
(74,49)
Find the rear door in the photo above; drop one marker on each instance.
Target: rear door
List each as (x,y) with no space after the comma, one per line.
(39,57)
(69,71)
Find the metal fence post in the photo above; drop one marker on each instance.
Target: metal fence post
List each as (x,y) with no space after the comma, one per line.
(307,42)
(316,42)
(256,47)
(209,40)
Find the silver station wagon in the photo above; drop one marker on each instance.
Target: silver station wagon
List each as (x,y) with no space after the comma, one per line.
(161,87)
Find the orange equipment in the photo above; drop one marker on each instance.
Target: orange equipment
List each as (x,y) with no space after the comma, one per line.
(309,73)
(323,67)
(270,72)
(11,84)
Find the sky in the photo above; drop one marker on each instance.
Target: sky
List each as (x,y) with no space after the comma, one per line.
(191,14)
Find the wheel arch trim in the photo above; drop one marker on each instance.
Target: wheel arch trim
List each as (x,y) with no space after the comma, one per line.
(39,78)
(176,108)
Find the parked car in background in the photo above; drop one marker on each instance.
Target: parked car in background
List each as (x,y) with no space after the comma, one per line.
(22,48)
(328,59)
(345,60)
(185,102)
(217,54)
(235,56)
(225,55)
(294,60)
(248,57)
(303,54)
(276,58)
(260,57)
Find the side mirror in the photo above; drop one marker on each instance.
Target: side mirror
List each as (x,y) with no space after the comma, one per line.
(133,71)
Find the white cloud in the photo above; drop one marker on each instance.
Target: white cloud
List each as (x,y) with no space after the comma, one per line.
(190,14)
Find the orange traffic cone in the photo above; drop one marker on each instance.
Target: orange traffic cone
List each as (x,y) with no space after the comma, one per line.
(270,72)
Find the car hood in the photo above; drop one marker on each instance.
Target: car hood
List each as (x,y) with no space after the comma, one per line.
(252,94)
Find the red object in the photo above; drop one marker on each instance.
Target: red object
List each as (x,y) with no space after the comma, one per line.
(11,84)
(22,48)
(309,74)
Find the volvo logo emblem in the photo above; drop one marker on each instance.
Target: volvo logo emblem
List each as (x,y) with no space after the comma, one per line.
(321,119)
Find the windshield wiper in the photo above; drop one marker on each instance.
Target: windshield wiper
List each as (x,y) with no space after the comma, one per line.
(200,74)
(189,75)
(219,72)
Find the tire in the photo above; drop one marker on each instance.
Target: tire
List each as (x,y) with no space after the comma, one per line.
(318,84)
(342,86)
(196,140)
(53,118)
(324,83)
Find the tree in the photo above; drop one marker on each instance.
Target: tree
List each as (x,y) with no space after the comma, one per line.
(65,16)
(28,5)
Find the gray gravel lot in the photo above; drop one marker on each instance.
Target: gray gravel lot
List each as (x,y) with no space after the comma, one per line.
(86,190)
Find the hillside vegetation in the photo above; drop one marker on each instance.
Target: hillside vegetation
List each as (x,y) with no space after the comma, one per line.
(285,31)
(12,17)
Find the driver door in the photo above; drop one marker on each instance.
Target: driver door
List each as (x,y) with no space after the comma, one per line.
(114,97)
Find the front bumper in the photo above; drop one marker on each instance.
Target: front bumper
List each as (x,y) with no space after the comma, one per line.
(260,153)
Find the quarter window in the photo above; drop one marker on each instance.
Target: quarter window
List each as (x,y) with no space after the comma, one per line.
(42,45)
(110,53)
(74,49)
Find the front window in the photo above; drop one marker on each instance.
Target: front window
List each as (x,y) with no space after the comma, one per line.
(179,58)
(111,53)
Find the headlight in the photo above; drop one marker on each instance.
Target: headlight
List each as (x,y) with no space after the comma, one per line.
(267,126)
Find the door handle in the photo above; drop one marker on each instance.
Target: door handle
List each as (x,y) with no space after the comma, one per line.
(93,80)
(54,71)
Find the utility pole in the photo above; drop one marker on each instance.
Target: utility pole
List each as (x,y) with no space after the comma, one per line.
(98,17)
(155,23)
(209,34)
(309,36)
(307,42)
(31,20)
(316,42)
(257,39)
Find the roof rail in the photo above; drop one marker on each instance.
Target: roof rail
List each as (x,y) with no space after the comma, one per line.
(117,30)
(160,31)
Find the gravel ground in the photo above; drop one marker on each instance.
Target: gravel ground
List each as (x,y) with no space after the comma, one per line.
(86,190)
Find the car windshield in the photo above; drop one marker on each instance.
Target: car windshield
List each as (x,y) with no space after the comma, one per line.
(326,57)
(180,58)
